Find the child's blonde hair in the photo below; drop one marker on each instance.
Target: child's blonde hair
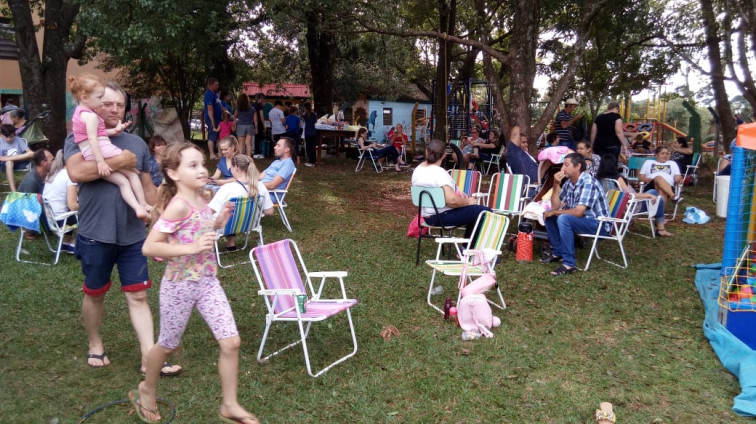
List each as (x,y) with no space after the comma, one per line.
(246,164)
(231,141)
(170,161)
(83,84)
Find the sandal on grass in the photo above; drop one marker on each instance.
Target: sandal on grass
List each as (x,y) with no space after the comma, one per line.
(563,270)
(605,415)
(140,409)
(103,357)
(551,258)
(664,233)
(164,372)
(235,420)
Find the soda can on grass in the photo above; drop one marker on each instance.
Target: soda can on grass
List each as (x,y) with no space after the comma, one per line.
(301,298)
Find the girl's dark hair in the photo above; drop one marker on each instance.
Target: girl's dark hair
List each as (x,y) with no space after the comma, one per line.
(154,141)
(683,141)
(242,102)
(7,130)
(551,137)
(361,131)
(660,148)
(435,151)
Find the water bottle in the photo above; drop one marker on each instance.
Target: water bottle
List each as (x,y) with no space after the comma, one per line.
(453,315)
(447,307)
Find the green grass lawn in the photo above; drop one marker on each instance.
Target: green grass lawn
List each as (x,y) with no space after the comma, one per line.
(631,337)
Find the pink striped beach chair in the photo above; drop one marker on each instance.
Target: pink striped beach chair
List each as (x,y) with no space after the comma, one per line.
(281,285)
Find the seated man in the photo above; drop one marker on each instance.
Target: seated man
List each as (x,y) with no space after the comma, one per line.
(14,153)
(576,203)
(278,174)
(518,158)
(34,181)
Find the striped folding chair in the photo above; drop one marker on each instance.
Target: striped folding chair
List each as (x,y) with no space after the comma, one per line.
(244,220)
(490,230)
(507,194)
(468,182)
(289,299)
(621,205)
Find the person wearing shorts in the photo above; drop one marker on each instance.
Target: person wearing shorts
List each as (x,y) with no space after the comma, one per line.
(110,234)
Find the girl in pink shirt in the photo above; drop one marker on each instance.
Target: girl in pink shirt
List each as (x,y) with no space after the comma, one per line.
(90,134)
(225,127)
(184,234)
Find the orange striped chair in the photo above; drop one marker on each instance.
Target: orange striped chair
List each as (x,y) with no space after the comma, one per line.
(621,205)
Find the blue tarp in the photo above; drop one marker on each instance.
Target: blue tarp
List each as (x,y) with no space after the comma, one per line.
(735,355)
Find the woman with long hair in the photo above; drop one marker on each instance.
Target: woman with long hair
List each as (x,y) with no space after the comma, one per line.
(246,183)
(245,122)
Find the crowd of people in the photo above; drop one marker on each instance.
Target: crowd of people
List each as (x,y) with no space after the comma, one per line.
(578,196)
(117,183)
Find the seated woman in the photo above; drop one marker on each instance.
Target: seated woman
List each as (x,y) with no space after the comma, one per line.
(228,147)
(244,183)
(592,160)
(459,210)
(398,138)
(379,151)
(62,195)
(682,153)
(657,202)
(661,175)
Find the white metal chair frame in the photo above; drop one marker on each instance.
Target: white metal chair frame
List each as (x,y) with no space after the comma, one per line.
(472,270)
(51,227)
(364,155)
(495,160)
(277,196)
(618,232)
(272,297)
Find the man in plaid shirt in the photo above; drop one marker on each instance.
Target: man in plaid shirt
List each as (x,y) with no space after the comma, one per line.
(577,201)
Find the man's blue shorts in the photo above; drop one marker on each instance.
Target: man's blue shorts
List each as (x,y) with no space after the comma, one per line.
(97,260)
(211,135)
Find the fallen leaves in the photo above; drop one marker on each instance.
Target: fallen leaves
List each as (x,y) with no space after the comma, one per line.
(388,331)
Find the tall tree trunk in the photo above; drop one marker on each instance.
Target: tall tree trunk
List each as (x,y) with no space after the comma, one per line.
(44,79)
(447,23)
(522,67)
(320,48)
(717,73)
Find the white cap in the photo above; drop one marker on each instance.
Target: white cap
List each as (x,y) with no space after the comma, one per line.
(571,101)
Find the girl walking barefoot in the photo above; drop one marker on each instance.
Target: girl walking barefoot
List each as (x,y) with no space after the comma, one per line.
(183,233)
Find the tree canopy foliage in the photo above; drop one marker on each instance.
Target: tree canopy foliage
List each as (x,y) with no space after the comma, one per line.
(590,49)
